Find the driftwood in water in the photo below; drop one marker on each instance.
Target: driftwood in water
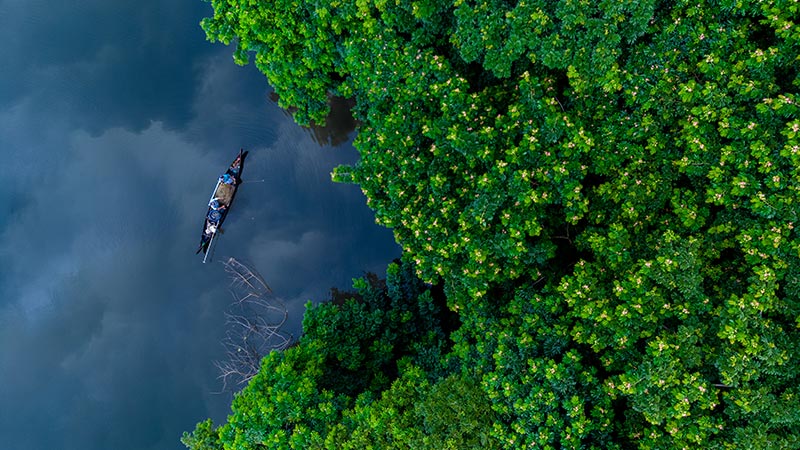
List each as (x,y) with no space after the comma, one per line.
(253,322)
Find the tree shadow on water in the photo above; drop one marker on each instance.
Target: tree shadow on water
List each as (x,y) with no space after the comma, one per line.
(338,126)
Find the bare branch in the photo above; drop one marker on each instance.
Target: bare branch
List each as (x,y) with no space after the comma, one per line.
(253,321)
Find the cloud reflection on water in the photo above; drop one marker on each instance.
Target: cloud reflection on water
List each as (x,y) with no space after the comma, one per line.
(108,321)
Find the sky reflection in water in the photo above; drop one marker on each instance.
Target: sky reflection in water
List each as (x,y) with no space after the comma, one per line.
(114,125)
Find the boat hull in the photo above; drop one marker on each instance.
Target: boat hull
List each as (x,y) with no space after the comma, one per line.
(220,203)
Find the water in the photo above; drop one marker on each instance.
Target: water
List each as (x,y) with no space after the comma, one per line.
(111,141)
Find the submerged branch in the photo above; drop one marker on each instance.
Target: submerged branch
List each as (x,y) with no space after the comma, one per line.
(253,321)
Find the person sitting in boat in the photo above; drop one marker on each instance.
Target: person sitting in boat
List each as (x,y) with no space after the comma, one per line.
(215,211)
(210,229)
(216,204)
(228,179)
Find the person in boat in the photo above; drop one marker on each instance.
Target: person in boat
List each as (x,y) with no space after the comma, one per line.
(228,179)
(215,211)
(210,229)
(216,204)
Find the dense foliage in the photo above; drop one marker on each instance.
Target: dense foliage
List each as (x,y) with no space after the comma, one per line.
(366,363)
(609,191)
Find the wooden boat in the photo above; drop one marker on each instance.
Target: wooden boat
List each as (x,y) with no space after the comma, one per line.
(220,203)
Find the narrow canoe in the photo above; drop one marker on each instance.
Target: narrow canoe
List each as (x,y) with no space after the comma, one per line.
(220,203)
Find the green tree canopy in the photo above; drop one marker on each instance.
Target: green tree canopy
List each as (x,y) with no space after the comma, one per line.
(608,190)
(384,340)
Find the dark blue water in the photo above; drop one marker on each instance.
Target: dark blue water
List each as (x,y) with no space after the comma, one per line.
(114,124)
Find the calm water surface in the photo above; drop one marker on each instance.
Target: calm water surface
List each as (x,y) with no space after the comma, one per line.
(114,124)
